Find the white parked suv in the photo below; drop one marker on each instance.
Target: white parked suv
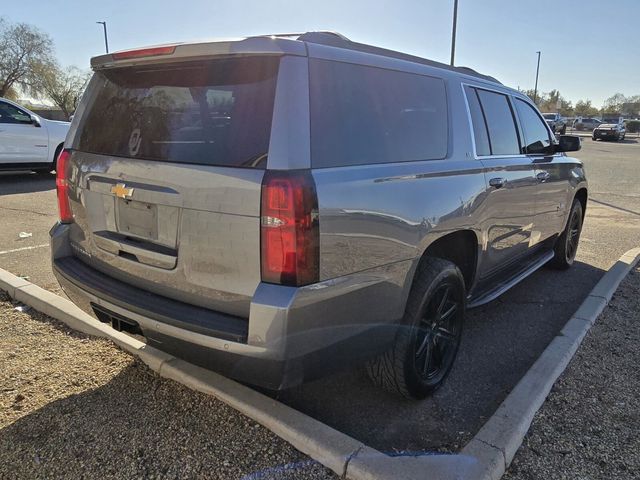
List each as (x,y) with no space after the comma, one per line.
(28,141)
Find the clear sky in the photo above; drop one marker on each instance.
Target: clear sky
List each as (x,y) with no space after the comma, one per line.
(590,48)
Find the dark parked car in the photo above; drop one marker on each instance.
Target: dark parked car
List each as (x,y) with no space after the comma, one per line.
(609,131)
(351,204)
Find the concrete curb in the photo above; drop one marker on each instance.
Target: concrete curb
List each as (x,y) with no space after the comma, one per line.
(485,457)
(497,442)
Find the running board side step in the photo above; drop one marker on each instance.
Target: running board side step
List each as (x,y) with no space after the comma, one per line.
(503,287)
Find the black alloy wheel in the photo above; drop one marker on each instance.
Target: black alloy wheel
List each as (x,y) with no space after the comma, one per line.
(438,333)
(426,343)
(573,235)
(567,243)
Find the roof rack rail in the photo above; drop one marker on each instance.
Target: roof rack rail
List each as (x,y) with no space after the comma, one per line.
(335,39)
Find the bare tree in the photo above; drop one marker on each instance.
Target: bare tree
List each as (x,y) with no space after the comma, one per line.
(584,108)
(614,103)
(63,87)
(551,102)
(23,51)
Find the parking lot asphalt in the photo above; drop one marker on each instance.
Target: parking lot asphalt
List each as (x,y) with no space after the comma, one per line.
(28,206)
(501,340)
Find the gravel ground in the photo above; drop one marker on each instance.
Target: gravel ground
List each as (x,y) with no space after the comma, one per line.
(589,427)
(73,406)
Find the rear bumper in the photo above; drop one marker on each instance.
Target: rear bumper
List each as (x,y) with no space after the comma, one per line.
(292,334)
(600,134)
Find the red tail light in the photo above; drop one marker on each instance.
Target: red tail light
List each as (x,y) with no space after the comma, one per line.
(289,229)
(62,187)
(144,52)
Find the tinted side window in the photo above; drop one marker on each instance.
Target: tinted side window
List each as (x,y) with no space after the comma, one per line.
(362,115)
(536,135)
(503,135)
(479,125)
(11,114)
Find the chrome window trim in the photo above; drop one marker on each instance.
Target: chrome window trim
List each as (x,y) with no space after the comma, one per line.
(470,121)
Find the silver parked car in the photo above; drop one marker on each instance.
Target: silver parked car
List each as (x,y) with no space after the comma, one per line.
(278,207)
(582,124)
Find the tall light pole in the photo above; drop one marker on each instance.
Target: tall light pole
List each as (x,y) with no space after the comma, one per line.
(106,42)
(453,33)
(535,89)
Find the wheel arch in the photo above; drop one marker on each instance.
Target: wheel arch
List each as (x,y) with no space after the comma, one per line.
(56,153)
(581,195)
(460,247)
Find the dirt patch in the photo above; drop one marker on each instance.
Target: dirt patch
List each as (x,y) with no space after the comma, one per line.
(73,406)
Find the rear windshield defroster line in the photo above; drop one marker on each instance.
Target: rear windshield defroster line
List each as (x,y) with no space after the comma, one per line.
(213,112)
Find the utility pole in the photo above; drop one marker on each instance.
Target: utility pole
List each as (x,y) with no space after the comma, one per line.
(535,89)
(106,42)
(453,33)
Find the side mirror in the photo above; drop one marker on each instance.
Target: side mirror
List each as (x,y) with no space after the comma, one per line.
(568,143)
(35,121)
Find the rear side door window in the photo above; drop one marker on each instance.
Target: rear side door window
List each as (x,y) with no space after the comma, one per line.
(365,115)
(536,135)
(503,136)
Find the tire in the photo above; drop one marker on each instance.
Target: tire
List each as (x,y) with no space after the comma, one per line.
(566,245)
(593,138)
(427,342)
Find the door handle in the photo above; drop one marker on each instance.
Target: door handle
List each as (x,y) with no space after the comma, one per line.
(543,176)
(497,182)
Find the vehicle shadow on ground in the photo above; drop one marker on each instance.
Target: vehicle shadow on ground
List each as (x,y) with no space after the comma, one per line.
(500,343)
(25,182)
(138,425)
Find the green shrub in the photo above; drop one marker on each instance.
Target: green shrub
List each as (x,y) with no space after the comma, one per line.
(633,126)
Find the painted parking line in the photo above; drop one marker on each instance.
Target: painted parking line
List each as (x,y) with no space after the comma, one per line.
(3,252)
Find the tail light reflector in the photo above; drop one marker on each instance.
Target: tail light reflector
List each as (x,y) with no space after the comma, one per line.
(289,231)
(62,187)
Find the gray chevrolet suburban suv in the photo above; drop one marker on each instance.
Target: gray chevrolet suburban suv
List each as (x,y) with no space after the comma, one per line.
(280,206)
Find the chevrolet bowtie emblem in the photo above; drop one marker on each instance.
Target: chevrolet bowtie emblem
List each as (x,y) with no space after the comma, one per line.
(120,190)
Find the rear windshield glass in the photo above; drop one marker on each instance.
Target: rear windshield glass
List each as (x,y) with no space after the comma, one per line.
(208,112)
(363,115)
